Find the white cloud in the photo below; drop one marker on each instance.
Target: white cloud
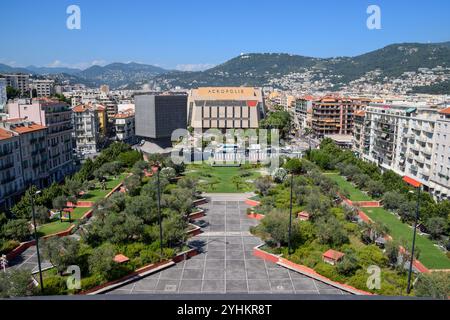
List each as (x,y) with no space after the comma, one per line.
(194,66)
(78,65)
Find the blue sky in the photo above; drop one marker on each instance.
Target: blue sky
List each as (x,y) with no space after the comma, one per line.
(195,34)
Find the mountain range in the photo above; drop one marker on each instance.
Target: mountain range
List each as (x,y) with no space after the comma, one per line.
(271,69)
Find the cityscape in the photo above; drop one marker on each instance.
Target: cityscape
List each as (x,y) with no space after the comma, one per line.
(264,175)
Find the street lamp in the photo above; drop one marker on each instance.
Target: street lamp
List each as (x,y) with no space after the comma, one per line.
(156,168)
(36,238)
(418,186)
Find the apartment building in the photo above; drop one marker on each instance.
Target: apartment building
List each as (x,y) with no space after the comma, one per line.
(361,134)
(11,182)
(42,88)
(86,125)
(102,120)
(33,153)
(18,81)
(303,112)
(410,139)
(440,176)
(3,96)
(333,115)
(124,126)
(57,117)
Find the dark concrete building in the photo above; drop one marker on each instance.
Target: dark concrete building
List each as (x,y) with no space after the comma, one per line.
(157,116)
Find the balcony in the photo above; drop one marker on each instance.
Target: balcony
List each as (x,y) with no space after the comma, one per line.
(427,151)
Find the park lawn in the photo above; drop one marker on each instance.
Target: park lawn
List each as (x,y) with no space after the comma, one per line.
(58,226)
(98,194)
(220,179)
(431,256)
(53,227)
(345,186)
(78,213)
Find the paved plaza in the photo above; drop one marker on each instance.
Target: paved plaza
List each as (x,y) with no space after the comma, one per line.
(226,263)
(28,260)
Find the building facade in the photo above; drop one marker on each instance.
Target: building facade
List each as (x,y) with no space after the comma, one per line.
(19,82)
(157,116)
(440,177)
(86,125)
(3,96)
(225,107)
(43,88)
(57,117)
(32,154)
(124,126)
(11,181)
(412,140)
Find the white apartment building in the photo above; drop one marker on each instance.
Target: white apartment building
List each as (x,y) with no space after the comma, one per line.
(44,88)
(3,96)
(18,81)
(404,138)
(124,125)
(86,125)
(440,177)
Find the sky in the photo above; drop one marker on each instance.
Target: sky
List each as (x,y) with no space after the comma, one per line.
(197,34)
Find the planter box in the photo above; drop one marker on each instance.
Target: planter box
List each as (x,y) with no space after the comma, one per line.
(252,203)
(258,252)
(196,230)
(200,201)
(256,216)
(140,273)
(197,215)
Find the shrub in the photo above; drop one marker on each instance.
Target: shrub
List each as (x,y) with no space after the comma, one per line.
(435,285)
(328,271)
(149,256)
(91,282)
(8,245)
(54,286)
(17,230)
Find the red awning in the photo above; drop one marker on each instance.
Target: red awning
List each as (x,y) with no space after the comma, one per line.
(412,182)
(252,103)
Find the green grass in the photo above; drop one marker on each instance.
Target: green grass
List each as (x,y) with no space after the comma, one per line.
(93,195)
(431,256)
(58,226)
(98,194)
(220,179)
(53,227)
(353,193)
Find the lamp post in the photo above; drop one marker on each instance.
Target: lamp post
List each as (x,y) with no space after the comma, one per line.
(290,215)
(418,186)
(156,169)
(414,240)
(36,238)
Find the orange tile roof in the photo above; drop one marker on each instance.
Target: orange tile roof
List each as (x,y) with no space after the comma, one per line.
(120,258)
(28,128)
(5,134)
(333,255)
(360,113)
(445,111)
(79,108)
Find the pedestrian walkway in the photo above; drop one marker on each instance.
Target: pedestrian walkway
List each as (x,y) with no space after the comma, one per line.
(226,263)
